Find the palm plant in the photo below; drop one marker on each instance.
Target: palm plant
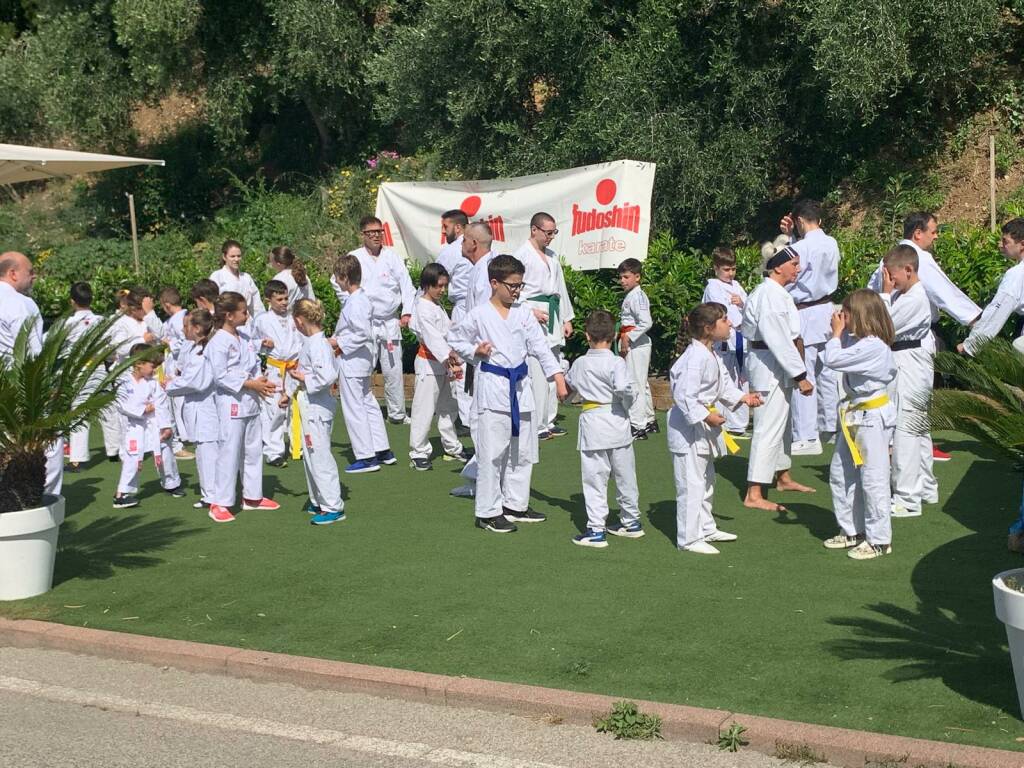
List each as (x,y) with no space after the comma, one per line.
(46,396)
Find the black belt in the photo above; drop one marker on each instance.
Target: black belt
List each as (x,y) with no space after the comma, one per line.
(815,303)
(899,346)
(758,345)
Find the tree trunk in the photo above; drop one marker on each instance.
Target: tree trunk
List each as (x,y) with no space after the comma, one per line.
(321,128)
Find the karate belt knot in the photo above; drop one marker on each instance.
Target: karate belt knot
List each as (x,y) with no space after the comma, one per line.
(621,331)
(295,433)
(730,443)
(514,376)
(554,302)
(867,405)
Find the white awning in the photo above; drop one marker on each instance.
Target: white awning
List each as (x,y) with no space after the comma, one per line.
(18,163)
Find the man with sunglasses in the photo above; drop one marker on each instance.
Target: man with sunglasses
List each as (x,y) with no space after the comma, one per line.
(545,293)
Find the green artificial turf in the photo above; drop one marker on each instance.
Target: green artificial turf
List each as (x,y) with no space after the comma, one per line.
(776,625)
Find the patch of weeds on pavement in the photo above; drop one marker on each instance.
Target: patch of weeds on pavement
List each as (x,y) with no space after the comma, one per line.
(732,739)
(887,762)
(797,752)
(628,722)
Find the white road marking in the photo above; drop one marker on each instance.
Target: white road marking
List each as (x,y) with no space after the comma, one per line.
(409,750)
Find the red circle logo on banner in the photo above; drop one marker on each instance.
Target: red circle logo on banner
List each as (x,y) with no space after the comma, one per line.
(605,191)
(470,205)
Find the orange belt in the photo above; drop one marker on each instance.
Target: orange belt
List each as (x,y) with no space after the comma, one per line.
(626,330)
(425,353)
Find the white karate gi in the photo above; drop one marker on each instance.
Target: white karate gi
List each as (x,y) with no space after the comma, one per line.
(234,361)
(605,442)
(504,461)
(153,324)
(860,495)
(388,287)
(200,421)
(458,267)
(316,411)
(721,292)
(699,380)
(140,433)
(636,315)
(364,421)
(125,333)
(544,277)
(910,391)
(173,335)
(771,317)
(478,291)
(433,392)
(275,420)
(818,279)
(78,441)
(295,291)
(1009,299)
(241,283)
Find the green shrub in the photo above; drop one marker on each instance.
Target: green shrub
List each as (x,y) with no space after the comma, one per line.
(628,722)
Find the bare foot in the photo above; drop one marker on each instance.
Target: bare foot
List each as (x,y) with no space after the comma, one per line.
(792,485)
(762,503)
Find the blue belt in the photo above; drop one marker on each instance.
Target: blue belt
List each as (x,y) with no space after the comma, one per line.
(514,376)
(739,349)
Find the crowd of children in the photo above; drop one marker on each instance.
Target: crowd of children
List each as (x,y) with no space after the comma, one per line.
(247,382)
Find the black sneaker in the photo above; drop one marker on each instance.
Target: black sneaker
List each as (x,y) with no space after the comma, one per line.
(421,465)
(113,459)
(525,516)
(278,462)
(557,432)
(652,427)
(125,502)
(386,457)
(638,434)
(497,524)
(200,504)
(74,468)
(178,493)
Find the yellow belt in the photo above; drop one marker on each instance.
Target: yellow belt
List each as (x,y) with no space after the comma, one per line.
(730,443)
(295,431)
(283,366)
(589,405)
(867,405)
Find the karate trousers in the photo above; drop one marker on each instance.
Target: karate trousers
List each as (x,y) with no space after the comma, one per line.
(638,362)
(131,469)
(504,463)
(110,423)
(860,495)
(391,368)
(319,464)
(239,453)
(596,467)
(816,412)
(545,399)
(54,468)
(694,474)
(738,419)
(206,467)
(770,442)
(364,421)
(433,395)
(913,477)
(275,421)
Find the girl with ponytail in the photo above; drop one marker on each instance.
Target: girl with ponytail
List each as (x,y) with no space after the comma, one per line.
(291,271)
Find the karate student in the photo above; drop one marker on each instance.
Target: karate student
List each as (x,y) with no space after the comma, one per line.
(194,385)
(153,323)
(1009,298)
(204,294)
(145,414)
(280,341)
(771,325)
(81,318)
(497,337)
(700,383)
(635,347)
(545,293)
(436,365)
(911,390)
(859,474)
(725,289)
(290,270)
(317,372)
(454,261)
(128,330)
(236,370)
(354,338)
(230,277)
(605,441)
(920,231)
(173,336)
(812,292)
(388,287)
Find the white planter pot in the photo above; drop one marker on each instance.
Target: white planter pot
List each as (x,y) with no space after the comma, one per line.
(28,547)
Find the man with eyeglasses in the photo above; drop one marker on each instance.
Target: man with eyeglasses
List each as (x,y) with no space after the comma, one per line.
(387,283)
(545,293)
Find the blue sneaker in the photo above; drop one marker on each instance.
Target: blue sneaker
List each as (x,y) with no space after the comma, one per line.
(311,508)
(633,531)
(363,465)
(386,457)
(326,518)
(590,538)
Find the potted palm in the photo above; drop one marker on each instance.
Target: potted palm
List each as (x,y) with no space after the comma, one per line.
(43,397)
(990,408)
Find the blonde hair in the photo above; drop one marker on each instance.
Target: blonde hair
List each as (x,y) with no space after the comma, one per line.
(868,316)
(309,310)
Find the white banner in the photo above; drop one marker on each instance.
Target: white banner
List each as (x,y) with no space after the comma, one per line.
(603,212)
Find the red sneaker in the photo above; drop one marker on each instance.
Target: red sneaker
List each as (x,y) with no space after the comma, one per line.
(220,514)
(938,455)
(265,504)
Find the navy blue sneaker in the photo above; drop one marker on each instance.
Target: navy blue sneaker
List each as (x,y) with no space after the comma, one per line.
(421,465)
(557,431)
(326,518)
(311,508)
(363,465)
(634,531)
(177,492)
(591,538)
(386,457)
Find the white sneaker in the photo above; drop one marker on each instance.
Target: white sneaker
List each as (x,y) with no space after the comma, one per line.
(721,536)
(701,548)
(467,491)
(898,510)
(806,448)
(865,551)
(842,541)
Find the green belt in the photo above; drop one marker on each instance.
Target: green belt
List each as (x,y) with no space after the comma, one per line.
(554,302)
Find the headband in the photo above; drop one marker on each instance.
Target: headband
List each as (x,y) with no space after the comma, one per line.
(781,257)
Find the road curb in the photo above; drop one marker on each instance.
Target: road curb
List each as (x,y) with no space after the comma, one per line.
(839,746)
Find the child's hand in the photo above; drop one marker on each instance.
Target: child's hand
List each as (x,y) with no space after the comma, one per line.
(150,408)
(484,349)
(148,337)
(714,419)
(838,324)
(561,390)
(887,281)
(165,434)
(261,386)
(268,343)
(753,399)
(805,387)
(334,345)
(297,374)
(283,402)
(623,345)
(734,299)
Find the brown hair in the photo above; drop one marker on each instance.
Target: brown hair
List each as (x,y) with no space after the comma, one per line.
(132,298)
(227,302)
(868,316)
(695,325)
(202,320)
(151,353)
(723,256)
(902,256)
(282,254)
(600,325)
(348,268)
(309,310)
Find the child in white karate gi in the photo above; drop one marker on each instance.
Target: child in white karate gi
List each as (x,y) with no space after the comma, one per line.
(497,336)
(280,341)
(145,428)
(291,271)
(173,336)
(316,373)
(635,346)
(436,365)
(204,294)
(724,289)
(240,385)
(194,385)
(700,384)
(82,317)
(353,337)
(859,351)
(605,442)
